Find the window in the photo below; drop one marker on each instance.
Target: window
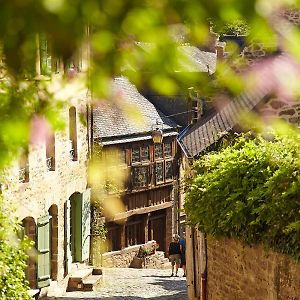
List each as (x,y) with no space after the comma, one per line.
(158,148)
(140,176)
(159,172)
(140,159)
(135,154)
(168,150)
(169,169)
(145,155)
(140,154)
(73,133)
(50,152)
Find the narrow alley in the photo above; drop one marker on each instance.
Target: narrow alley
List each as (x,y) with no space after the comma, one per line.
(134,284)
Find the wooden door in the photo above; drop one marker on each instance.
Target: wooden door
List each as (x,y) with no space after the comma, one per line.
(157,231)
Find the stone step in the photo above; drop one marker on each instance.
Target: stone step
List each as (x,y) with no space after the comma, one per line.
(81,273)
(78,278)
(91,282)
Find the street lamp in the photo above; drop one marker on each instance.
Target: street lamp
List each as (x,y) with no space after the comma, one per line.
(157,136)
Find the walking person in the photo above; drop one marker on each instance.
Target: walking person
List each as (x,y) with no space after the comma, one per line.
(182,258)
(174,254)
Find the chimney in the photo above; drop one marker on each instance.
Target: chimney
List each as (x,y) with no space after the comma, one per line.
(220,49)
(196,105)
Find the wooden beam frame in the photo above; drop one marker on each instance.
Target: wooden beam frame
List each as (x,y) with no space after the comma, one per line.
(140,211)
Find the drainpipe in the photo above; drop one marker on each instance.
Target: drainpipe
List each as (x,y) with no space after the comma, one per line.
(203,286)
(204,268)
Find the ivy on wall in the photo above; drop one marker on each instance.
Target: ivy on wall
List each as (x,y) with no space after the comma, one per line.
(249,190)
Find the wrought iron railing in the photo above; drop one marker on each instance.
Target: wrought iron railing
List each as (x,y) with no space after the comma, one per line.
(50,163)
(72,153)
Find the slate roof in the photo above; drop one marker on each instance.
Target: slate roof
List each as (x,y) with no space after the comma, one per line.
(111,123)
(191,58)
(194,140)
(197,60)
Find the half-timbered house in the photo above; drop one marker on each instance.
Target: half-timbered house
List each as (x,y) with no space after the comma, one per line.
(149,194)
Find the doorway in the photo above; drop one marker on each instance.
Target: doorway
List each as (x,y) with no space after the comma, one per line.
(157,230)
(71,227)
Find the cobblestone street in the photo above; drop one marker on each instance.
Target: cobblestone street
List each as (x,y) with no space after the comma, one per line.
(134,284)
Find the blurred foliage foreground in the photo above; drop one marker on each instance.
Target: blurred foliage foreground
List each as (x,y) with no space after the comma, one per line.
(236,197)
(250,191)
(13,247)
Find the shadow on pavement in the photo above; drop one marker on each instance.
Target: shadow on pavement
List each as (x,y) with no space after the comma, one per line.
(170,284)
(175,284)
(179,296)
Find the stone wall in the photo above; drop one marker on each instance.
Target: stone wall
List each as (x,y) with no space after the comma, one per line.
(288,110)
(51,189)
(240,272)
(124,258)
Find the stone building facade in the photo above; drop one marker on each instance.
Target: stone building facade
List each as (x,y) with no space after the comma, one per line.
(48,188)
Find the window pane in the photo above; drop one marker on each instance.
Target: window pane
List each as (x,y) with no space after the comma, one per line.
(159,172)
(145,153)
(168,150)
(135,154)
(140,176)
(158,151)
(169,169)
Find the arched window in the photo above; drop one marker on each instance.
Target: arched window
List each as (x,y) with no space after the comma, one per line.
(73,132)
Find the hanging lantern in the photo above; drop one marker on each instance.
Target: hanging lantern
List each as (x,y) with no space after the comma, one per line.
(157,136)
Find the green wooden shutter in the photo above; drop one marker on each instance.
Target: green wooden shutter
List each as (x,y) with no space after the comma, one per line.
(81,215)
(86,224)
(43,247)
(77,227)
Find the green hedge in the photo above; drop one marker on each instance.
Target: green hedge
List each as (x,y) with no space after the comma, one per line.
(13,285)
(249,190)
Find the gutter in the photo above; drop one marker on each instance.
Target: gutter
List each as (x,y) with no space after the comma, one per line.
(190,157)
(114,140)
